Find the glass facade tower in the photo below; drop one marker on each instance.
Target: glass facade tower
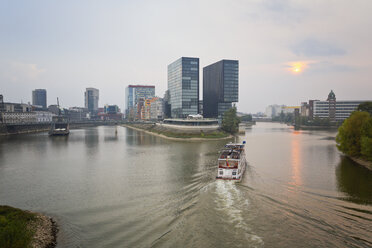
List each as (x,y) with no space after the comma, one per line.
(220,87)
(91,100)
(183,86)
(39,97)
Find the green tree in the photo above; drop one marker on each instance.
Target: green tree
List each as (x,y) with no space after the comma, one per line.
(246,118)
(366,106)
(230,121)
(366,140)
(350,132)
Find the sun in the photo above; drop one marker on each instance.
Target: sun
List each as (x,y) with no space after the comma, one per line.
(297,67)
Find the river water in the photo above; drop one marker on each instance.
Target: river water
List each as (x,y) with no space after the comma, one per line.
(132,189)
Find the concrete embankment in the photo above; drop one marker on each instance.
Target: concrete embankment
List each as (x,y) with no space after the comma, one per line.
(10,129)
(320,128)
(179,134)
(362,162)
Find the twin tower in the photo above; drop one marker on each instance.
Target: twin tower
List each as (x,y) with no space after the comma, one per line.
(220,87)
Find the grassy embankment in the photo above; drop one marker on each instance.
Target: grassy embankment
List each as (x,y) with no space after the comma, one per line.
(168,133)
(14,227)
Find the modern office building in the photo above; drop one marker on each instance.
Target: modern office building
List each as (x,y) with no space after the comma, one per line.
(91,100)
(183,86)
(335,110)
(220,87)
(133,93)
(39,98)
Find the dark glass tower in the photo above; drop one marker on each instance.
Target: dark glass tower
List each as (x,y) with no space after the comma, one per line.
(220,87)
(183,86)
(39,97)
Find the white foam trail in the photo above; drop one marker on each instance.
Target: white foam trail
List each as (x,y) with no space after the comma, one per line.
(230,202)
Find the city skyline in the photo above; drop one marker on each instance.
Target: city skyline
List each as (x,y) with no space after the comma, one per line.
(288,51)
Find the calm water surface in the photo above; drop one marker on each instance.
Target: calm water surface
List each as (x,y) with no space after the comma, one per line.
(131,189)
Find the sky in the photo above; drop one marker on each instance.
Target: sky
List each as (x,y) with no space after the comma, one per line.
(288,51)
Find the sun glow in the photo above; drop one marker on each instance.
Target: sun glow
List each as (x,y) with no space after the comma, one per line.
(297,67)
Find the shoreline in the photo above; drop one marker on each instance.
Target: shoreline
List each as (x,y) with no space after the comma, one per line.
(173,138)
(27,228)
(362,162)
(45,229)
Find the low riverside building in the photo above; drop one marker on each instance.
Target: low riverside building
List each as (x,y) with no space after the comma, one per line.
(191,125)
(44,116)
(111,112)
(76,113)
(18,117)
(334,110)
(20,113)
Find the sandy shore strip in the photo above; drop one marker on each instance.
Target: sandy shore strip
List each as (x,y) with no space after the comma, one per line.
(177,139)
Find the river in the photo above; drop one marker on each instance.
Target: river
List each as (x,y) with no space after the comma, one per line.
(132,189)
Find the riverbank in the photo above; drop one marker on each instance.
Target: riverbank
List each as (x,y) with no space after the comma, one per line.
(19,228)
(365,163)
(316,127)
(12,129)
(168,134)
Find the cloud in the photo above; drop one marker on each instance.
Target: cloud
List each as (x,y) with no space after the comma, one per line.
(277,12)
(17,72)
(329,67)
(315,48)
(316,67)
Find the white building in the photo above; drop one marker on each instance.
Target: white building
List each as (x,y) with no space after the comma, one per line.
(335,110)
(343,109)
(274,110)
(18,117)
(44,116)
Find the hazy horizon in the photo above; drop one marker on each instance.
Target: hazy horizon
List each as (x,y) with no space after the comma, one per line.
(288,51)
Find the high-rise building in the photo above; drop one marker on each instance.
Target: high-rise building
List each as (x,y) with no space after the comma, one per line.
(220,87)
(91,100)
(183,86)
(133,93)
(39,97)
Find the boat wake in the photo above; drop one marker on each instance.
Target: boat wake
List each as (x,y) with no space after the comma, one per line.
(229,202)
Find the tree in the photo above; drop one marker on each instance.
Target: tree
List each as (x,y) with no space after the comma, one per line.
(350,133)
(230,121)
(366,106)
(366,140)
(246,118)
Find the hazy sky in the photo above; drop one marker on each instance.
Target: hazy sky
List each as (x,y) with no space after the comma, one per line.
(288,51)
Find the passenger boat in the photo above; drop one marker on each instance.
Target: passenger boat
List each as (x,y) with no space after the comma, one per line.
(232,162)
(60,124)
